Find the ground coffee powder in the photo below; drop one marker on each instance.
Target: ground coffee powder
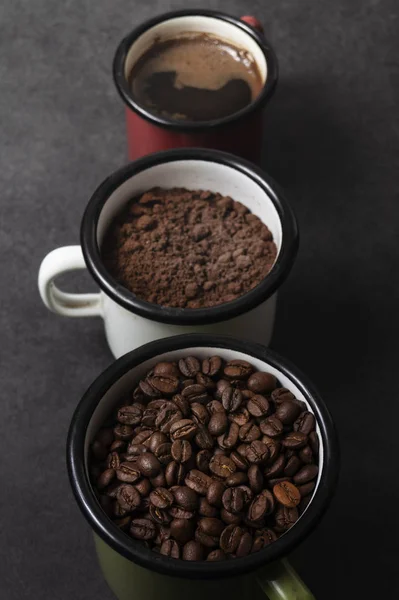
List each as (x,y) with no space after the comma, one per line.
(188,249)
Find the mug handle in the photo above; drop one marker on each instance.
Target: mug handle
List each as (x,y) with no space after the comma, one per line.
(62,260)
(280,581)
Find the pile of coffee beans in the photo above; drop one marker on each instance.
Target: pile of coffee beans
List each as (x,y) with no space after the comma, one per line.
(206,460)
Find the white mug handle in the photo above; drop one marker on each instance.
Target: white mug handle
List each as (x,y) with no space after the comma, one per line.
(62,260)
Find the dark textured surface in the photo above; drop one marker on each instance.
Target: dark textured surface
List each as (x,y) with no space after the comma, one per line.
(332,142)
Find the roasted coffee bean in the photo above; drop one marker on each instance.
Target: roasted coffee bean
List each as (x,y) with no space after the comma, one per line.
(200,413)
(166,417)
(295,440)
(143,487)
(261,382)
(238,369)
(306,455)
(170,548)
(182,530)
(186,382)
(129,415)
(128,497)
(198,481)
(222,466)
(128,472)
(216,555)
(209,526)
(189,366)
(159,480)
(149,417)
(230,518)
(240,462)
(285,517)
(238,478)
(305,423)
(242,449)
(218,423)
(272,427)
(166,384)
(274,481)
(281,395)
(221,385)
(255,478)
(257,453)
(306,489)
(105,478)
(161,498)
(228,440)
(202,460)
(118,511)
(206,510)
(148,390)
(231,399)
(259,406)
(306,474)
(159,516)
(211,366)
(276,468)
(175,473)
(244,545)
(140,438)
(203,438)
(157,439)
(143,529)
(230,538)
(158,404)
(206,381)
(287,494)
(181,451)
(249,433)
(248,494)
(186,498)
(293,465)
(260,507)
(215,493)
(193,551)
(214,406)
(164,453)
(264,537)
(181,513)
(208,541)
(195,393)
(314,442)
(117,446)
(113,460)
(162,535)
(287,412)
(113,489)
(185,429)
(274,447)
(165,369)
(123,432)
(233,500)
(182,404)
(241,416)
(148,465)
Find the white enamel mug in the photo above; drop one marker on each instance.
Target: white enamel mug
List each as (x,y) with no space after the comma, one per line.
(129,321)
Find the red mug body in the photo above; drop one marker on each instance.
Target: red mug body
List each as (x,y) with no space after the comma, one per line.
(239,133)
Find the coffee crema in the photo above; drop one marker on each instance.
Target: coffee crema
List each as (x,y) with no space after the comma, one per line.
(195,77)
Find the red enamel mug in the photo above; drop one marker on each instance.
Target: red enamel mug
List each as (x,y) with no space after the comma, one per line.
(239,133)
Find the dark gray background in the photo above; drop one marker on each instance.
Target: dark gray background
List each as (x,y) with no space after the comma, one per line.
(331,141)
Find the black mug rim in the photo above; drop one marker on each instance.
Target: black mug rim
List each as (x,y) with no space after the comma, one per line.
(122,86)
(138,553)
(186,316)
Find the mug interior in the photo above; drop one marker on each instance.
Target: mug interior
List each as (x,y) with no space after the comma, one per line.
(195,174)
(112,397)
(176,26)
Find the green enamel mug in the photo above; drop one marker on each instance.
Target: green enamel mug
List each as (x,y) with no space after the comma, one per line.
(134,572)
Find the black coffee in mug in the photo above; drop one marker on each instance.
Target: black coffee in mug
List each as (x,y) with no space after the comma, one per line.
(195,77)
